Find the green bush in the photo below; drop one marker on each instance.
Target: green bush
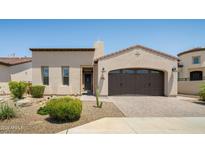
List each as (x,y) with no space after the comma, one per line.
(64,108)
(17,89)
(42,111)
(37,91)
(202,92)
(6,112)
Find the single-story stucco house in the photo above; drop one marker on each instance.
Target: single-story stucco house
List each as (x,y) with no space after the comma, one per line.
(191,70)
(14,68)
(134,70)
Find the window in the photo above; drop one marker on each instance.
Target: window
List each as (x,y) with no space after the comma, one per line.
(126,71)
(45,75)
(196,75)
(65,74)
(142,71)
(196,60)
(155,72)
(116,72)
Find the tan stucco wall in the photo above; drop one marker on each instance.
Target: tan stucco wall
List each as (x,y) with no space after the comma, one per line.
(4,79)
(55,60)
(95,78)
(21,72)
(189,87)
(144,60)
(99,49)
(186,61)
(4,73)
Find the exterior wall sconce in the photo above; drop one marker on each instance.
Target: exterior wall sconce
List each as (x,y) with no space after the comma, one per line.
(137,54)
(174,69)
(103,71)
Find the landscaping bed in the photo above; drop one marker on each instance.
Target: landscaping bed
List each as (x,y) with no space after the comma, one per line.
(28,121)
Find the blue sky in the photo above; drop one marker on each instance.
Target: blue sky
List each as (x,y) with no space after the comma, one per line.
(170,36)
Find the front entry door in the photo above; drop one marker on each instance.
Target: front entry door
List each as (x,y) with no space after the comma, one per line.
(88,81)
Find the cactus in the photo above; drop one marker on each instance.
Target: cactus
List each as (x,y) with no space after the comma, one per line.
(98,103)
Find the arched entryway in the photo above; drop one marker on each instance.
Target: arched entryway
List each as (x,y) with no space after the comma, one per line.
(136,81)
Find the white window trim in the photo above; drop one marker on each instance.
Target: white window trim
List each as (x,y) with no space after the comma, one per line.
(62,73)
(195,57)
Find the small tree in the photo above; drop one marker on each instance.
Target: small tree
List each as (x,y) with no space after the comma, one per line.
(98,103)
(202,92)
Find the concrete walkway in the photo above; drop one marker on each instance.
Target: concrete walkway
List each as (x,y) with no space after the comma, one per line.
(92,98)
(161,125)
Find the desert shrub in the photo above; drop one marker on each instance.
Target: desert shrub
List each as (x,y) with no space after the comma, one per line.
(6,112)
(17,89)
(42,111)
(37,91)
(29,85)
(98,102)
(64,108)
(202,92)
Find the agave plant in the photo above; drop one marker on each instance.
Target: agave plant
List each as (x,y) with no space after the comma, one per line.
(6,112)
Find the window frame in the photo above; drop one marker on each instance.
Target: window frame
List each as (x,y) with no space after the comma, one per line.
(193,76)
(199,59)
(44,77)
(63,77)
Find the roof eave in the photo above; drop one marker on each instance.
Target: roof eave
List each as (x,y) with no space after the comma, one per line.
(189,51)
(133,47)
(9,64)
(61,49)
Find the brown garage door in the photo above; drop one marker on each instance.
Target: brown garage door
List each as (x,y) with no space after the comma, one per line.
(136,81)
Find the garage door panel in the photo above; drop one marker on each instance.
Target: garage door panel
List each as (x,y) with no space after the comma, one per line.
(139,81)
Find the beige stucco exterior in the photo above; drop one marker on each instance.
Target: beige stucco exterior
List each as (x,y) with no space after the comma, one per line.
(77,60)
(4,79)
(55,60)
(20,72)
(139,58)
(82,58)
(190,87)
(186,61)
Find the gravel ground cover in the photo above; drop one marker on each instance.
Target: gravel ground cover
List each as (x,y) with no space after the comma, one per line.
(28,121)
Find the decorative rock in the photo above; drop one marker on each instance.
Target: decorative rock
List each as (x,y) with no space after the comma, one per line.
(23,103)
(1,99)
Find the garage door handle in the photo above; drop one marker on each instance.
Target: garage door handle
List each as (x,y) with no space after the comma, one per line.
(149,84)
(120,84)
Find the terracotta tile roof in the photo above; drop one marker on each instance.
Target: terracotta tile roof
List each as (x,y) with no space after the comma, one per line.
(138,46)
(62,49)
(191,50)
(10,61)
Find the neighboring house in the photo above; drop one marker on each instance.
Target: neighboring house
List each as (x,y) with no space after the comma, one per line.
(15,69)
(134,70)
(191,70)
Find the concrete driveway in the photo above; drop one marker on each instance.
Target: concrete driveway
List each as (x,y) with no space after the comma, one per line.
(156,106)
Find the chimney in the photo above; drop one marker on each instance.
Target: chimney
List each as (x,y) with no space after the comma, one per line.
(99,49)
